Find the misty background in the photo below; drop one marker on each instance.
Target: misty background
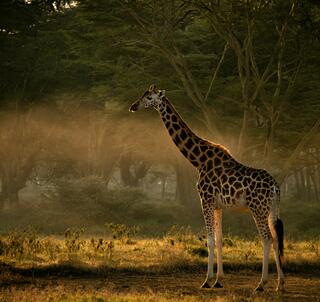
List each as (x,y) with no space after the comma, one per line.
(245,74)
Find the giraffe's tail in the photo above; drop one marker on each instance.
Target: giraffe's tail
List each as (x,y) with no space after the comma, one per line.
(277,224)
(279,230)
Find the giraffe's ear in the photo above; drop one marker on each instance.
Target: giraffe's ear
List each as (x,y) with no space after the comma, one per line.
(162,93)
(152,87)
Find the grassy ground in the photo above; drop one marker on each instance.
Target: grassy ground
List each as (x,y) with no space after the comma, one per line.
(127,268)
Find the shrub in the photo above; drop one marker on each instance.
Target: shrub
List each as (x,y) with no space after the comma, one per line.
(21,243)
(198,251)
(104,247)
(89,199)
(179,234)
(80,194)
(228,242)
(313,246)
(72,240)
(121,231)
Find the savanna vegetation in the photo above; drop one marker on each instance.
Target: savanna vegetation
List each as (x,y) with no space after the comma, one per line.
(123,266)
(89,192)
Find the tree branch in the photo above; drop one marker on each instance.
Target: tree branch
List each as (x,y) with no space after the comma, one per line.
(216,72)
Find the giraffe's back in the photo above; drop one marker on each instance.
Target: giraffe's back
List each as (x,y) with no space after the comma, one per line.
(230,184)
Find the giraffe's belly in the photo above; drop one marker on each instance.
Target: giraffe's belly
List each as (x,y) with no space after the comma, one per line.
(236,203)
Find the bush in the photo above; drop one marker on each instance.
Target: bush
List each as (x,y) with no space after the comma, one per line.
(21,244)
(198,251)
(228,242)
(89,199)
(80,193)
(179,234)
(91,205)
(72,240)
(121,231)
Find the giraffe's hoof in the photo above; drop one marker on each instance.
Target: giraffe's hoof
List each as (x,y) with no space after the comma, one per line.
(217,284)
(205,285)
(280,287)
(259,288)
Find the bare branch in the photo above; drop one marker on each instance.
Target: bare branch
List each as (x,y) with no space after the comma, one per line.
(216,71)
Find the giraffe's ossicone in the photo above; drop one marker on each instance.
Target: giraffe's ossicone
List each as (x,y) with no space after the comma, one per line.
(224,183)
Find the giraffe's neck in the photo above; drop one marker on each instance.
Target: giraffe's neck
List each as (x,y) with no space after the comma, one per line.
(189,144)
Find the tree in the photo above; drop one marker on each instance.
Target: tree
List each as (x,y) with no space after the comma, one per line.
(28,57)
(24,140)
(163,27)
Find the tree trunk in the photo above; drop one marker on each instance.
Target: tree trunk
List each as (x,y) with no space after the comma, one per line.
(268,146)
(308,187)
(284,188)
(314,182)
(298,185)
(163,187)
(125,174)
(243,134)
(9,192)
(107,167)
(186,191)
(303,185)
(132,170)
(294,155)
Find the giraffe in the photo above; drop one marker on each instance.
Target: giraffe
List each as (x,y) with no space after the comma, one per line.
(224,183)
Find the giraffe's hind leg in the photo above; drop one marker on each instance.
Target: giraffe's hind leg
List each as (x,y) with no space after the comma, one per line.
(218,235)
(207,209)
(266,237)
(277,235)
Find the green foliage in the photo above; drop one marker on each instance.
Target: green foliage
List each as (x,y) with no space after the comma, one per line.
(102,54)
(90,204)
(89,198)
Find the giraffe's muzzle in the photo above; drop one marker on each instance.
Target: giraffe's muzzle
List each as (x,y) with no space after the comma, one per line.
(134,107)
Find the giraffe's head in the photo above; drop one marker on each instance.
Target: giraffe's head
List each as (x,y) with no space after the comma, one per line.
(151,98)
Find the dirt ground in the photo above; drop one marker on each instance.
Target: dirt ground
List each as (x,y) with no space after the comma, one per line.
(174,285)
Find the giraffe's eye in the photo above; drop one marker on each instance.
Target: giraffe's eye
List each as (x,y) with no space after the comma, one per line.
(149,97)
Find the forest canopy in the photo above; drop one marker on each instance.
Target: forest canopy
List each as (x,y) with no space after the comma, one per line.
(242,73)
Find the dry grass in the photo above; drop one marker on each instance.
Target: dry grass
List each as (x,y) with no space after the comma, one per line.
(61,294)
(81,268)
(27,248)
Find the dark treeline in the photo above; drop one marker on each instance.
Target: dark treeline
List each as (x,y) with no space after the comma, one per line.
(242,73)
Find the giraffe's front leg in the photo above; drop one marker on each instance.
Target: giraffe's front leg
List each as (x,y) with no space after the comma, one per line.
(207,209)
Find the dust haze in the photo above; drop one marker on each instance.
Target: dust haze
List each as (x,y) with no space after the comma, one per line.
(70,166)
(73,166)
